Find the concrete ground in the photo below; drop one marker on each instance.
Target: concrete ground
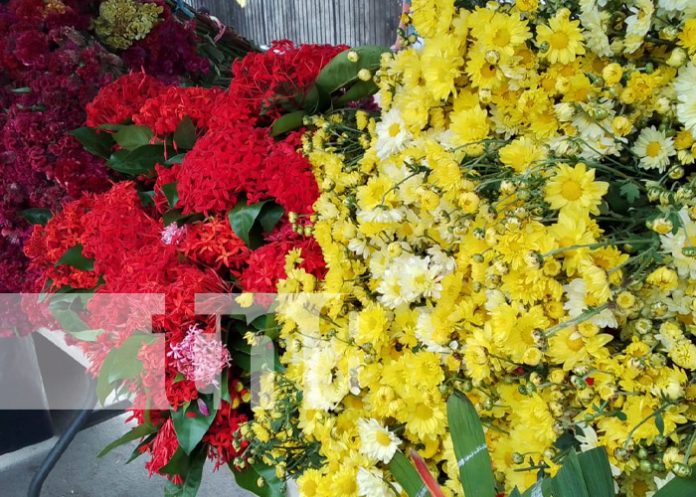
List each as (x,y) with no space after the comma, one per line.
(80,474)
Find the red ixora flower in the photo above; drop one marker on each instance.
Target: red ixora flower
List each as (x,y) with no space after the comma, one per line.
(121,99)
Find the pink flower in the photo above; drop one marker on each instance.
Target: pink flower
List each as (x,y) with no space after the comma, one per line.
(200,357)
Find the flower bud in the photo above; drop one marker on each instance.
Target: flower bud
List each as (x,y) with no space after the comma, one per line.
(364,75)
(677,57)
(353,56)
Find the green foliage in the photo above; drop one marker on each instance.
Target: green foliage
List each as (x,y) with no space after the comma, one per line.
(73,257)
(251,476)
(95,142)
(121,364)
(185,134)
(586,474)
(138,161)
(191,425)
(36,215)
(251,222)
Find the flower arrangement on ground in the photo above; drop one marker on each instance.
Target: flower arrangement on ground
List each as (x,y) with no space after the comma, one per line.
(204,200)
(517,223)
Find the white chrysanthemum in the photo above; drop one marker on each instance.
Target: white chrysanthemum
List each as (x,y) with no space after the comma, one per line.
(654,149)
(358,245)
(408,278)
(677,5)
(660,482)
(594,21)
(686,80)
(371,483)
(675,244)
(638,24)
(381,215)
(576,305)
(686,110)
(392,134)
(596,141)
(424,331)
(376,441)
(325,382)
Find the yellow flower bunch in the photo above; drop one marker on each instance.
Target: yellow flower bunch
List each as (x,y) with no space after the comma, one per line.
(121,22)
(518,223)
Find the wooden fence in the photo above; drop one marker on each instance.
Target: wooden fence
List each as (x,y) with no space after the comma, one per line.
(353,22)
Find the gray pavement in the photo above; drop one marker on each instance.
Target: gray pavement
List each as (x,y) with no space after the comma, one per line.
(80,474)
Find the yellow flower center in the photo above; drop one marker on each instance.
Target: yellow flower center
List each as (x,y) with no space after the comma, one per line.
(571,190)
(383,439)
(653,149)
(488,71)
(424,411)
(559,40)
(502,38)
(394,129)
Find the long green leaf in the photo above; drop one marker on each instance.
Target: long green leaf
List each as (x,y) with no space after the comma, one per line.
(136,433)
(466,430)
(407,476)
(569,481)
(596,471)
(679,487)
(341,71)
(288,122)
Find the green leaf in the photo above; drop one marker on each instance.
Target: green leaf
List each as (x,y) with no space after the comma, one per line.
(136,433)
(268,325)
(407,476)
(340,71)
(66,308)
(569,481)
(36,216)
(121,364)
(466,430)
(629,191)
(192,477)
(132,136)
(185,134)
(679,487)
(357,91)
(288,122)
(73,257)
(596,471)
(99,144)
(250,221)
(515,493)
(191,425)
(248,480)
(147,199)
(138,161)
(176,159)
(660,422)
(171,193)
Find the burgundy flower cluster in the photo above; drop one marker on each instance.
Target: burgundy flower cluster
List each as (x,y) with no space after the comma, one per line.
(50,72)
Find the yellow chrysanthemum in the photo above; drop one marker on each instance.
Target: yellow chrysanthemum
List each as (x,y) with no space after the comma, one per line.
(575,188)
(561,38)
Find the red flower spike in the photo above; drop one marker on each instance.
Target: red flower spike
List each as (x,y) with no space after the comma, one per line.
(426,476)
